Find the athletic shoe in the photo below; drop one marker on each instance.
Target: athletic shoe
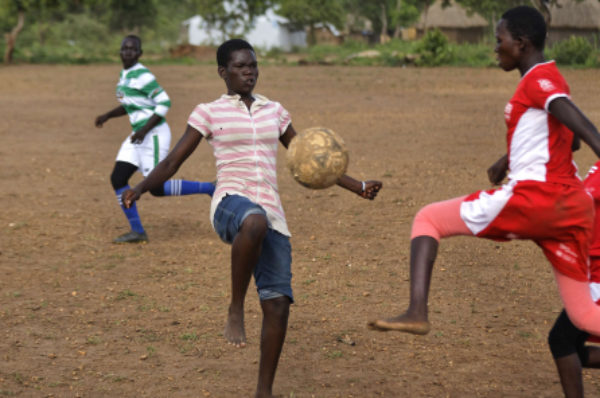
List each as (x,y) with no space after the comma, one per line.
(132,237)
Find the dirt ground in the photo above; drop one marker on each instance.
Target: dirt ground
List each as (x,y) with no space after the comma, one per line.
(82,317)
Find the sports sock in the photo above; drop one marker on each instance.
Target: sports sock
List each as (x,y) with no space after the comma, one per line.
(184,187)
(131,213)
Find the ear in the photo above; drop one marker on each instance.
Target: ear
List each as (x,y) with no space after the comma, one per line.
(221,70)
(523,43)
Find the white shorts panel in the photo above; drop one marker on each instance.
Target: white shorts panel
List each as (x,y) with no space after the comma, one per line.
(478,213)
(152,150)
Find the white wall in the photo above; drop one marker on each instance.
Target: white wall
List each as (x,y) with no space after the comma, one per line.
(269,31)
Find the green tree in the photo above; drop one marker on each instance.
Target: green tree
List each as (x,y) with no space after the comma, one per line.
(388,16)
(12,21)
(229,16)
(308,13)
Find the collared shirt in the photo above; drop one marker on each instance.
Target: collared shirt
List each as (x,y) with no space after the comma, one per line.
(141,96)
(245,143)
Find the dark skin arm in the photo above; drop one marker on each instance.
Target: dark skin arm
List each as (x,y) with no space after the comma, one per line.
(118,111)
(568,114)
(166,168)
(139,135)
(497,172)
(372,187)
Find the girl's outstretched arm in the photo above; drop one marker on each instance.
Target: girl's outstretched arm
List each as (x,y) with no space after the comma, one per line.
(568,114)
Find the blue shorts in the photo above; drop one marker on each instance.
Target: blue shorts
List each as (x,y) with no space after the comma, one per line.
(273,271)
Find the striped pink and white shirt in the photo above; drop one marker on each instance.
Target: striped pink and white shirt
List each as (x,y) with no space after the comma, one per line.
(245,144)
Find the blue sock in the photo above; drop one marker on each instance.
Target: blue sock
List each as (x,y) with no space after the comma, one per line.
(184,187)
(131,213)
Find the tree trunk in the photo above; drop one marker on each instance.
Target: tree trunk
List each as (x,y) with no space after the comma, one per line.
(383,36)
(425,11)
(11,37)
(398,28)
(312,35)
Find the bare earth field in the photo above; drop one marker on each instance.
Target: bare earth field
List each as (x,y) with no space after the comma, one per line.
(82,317)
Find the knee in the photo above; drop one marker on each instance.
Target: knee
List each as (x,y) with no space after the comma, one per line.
(556,340)
(423,224)
(278,307)
(255,226)
(118,180)
(562,338)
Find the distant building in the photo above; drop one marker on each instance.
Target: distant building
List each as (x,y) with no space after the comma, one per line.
(454,22)
(269,31)
(574,19)
(568,19)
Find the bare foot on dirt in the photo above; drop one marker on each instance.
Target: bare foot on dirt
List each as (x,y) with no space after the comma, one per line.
(234,329)
(402,323)
(265,395)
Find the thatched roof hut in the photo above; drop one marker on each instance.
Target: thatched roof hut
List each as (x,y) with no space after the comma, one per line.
(568,19)
(574,18)
(454,22)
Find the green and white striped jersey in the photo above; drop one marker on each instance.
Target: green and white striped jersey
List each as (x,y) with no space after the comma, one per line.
(141,96)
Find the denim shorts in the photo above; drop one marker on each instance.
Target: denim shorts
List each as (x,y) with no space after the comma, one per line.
(272,273)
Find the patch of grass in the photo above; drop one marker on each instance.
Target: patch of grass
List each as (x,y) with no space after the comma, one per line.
(93,340)
(123,294)
(334,354)
(192,336)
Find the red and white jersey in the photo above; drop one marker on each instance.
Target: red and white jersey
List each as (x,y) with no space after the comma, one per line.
(539,146)
(592,186)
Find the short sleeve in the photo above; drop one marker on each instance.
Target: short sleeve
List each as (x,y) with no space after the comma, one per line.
(284,118)
(200,120)
(544,88)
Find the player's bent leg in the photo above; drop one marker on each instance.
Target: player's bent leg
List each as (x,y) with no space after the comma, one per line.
(245,251)
(567,345)
(184,187)
(423,251)
(578,302)
(569,371)
(593,357)
(434,221)
(274,328)
(119,179)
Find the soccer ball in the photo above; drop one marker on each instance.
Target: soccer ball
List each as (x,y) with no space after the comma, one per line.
(317,157)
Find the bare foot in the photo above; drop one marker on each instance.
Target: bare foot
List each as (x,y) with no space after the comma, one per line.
(234,329)
(266,395)
(402,323)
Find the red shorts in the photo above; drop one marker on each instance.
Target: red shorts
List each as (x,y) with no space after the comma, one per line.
(558,217)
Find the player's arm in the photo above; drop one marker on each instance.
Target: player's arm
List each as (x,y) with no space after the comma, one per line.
(366,189)
(167,167)
(139,135)
(568,114)
(118,111)
(162,102)
(497,172)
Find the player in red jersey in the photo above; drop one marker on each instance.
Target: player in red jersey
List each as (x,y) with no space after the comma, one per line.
(568,343)
(543,199)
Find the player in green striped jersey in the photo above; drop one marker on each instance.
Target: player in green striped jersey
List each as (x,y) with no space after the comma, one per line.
(146,104)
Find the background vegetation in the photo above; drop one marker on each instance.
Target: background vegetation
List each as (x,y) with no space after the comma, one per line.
(86,31)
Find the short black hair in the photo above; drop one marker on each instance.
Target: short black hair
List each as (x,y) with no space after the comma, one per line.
(134,37)
(224,51)
(524,21)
